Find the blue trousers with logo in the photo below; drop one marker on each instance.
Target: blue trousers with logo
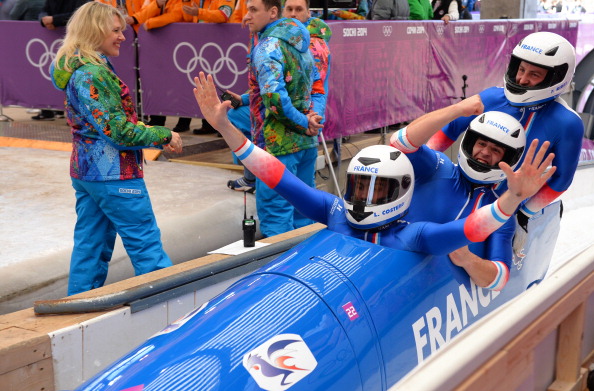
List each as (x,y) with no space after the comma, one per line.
(276,214)
(103,210)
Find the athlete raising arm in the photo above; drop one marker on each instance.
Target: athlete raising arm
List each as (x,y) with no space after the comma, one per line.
(380,187)
(490,138)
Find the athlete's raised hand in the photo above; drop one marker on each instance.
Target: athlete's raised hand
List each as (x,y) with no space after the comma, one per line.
(529,178)
(215,111)
(423,128)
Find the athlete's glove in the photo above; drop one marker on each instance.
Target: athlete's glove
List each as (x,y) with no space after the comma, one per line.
(522,220)
(521,233)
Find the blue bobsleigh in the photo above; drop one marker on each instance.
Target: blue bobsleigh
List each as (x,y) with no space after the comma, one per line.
(332,313)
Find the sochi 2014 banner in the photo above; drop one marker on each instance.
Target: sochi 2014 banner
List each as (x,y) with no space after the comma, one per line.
(382,72)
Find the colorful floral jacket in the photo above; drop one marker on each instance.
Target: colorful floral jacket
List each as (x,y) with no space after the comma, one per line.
(319,35)
(107,138)
(281,73)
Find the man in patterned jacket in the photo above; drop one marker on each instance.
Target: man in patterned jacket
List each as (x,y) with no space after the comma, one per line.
(319,34)
(319,37)
(281,80)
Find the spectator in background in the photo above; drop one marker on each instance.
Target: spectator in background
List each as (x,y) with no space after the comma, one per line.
(236,17)
(26,9)
(558,6)
(465,7)
(5,8)
(390,10)
(157,13)
(127,7)
(212,11)
(361,12)
(577,7)
(446,10)
(56,13)
(239,12)
(160,13)
(280,80)
(106,166)
(320,34)
(547,6)
(468,4)
(420,9)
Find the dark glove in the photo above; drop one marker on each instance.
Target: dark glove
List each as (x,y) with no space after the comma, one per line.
(522,220)
(521,234)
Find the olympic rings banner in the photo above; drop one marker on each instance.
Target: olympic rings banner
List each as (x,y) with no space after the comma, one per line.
(382,72)
(26,52)
(171,57)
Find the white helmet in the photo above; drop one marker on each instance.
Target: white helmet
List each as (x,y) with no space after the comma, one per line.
(496,127)
(380,183)
(546,50)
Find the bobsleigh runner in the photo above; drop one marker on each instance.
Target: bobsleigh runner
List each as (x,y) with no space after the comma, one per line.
(332,313)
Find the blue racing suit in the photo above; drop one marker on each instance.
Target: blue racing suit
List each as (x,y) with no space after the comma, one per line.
(553,121)
(328,209)
(442,194)
(240,118)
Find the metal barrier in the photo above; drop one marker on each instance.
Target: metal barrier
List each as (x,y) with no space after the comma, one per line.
(146,295)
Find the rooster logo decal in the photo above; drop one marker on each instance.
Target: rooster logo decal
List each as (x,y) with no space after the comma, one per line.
(280,362)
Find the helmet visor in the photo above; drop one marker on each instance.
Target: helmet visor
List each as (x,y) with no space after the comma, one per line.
(371,190)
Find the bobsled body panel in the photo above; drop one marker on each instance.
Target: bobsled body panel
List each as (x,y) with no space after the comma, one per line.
(207,348)
(332,313)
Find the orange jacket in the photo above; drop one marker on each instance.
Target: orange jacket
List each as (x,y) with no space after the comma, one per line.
(132,6)
(240,11)
(212,11)
(154,17)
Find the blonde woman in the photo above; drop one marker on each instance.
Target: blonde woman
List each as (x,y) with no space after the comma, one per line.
(106,165)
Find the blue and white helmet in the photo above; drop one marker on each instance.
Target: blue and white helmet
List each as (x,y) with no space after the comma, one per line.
(496,127)
(546,50)
(380,183)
